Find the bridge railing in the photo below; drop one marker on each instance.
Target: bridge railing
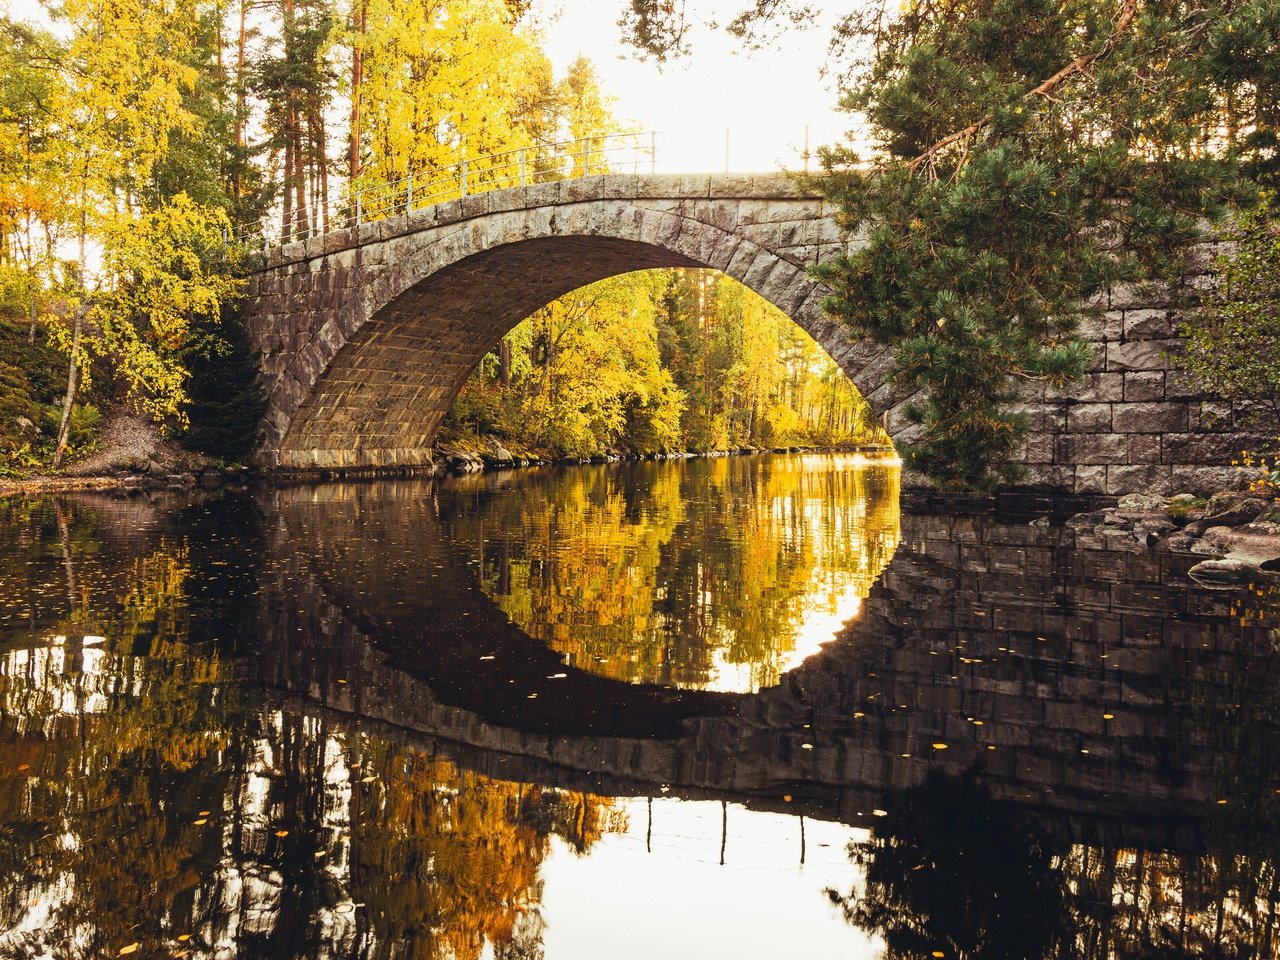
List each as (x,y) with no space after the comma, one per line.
(540,163)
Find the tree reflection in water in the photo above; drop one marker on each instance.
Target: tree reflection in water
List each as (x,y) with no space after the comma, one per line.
(950,872)
(718,573)
(149,795)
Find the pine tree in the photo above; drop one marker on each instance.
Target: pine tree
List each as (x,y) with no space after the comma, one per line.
(1027,156)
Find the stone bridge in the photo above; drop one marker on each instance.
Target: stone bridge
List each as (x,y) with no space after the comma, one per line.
(367,334)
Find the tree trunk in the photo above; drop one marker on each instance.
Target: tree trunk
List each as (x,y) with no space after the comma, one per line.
(286,214)
(299,174)
(240,85)
(73,375)
(322,218)
(77,328)
(357,78)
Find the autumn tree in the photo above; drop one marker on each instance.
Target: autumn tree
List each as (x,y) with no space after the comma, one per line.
(429,92)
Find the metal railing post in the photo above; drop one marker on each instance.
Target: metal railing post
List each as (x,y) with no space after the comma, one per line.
(586,157)
(653,151)
(359,195)
(408,194)
(464,177)
(522,166)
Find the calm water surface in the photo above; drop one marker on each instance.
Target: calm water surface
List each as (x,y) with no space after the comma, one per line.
(739,707)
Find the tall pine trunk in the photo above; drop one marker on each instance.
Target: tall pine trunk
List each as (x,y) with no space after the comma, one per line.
(357,78)
(237,184)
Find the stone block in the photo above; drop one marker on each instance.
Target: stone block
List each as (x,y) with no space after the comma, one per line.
(1089,418)
(1093,448)
(1143,386)
(721,214)
(1059,477)
(1138,478)
(1205,479)
(1137,297)
(1107,325)
(1038,448)
(336,240)
(1091,479)
(1212,449)
(692,185)
(1144,448)
(759,212)
(730,185)
(1092,388)
(1163,417)
(1149,324)
(1212,416)
(1046,417)
(1180,384)
(1142,354)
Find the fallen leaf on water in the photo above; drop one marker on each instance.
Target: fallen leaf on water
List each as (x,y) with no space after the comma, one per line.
(24,766)
(282,833)
(183,938)
(368,779)
(939,746)
(204,813)
(201,822)
(131,948)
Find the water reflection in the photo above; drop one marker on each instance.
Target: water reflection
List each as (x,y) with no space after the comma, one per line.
(301,724)
(717,574)
(949,872)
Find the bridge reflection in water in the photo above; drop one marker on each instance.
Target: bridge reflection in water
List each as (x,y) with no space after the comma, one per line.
(289,739)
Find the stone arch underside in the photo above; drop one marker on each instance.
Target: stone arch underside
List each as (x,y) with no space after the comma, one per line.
(440,300)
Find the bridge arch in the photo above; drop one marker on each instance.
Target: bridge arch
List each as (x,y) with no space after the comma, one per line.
(368,335)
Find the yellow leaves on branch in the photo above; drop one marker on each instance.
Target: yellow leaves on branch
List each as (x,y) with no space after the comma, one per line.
(155,283)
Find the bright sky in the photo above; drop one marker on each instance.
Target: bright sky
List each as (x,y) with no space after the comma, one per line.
(764,99)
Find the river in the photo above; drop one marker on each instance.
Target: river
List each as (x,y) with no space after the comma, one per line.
(735,707)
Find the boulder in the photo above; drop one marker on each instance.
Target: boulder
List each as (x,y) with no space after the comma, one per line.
(1229,509)
(1225,573)
(1143,502)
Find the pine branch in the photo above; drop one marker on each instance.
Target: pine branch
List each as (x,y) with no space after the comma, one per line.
(1127,14)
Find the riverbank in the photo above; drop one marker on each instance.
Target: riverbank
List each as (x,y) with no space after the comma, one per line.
(132,455)
(1238,532)
(474,455)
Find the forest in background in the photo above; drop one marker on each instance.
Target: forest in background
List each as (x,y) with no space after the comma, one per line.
(660,361)
(140,142)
